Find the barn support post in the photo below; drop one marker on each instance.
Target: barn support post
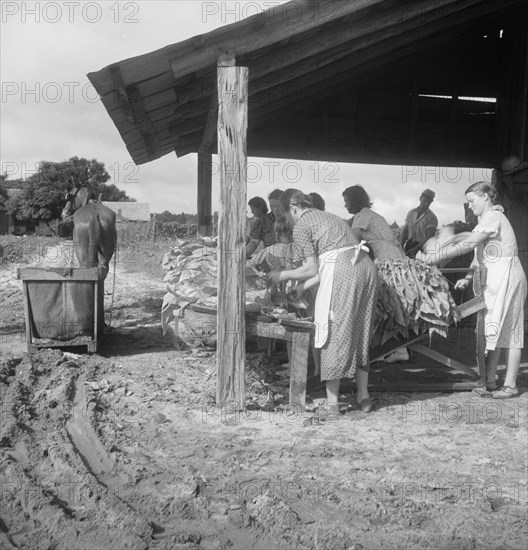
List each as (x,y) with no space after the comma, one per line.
(205,176)
(232,158)
(512,177)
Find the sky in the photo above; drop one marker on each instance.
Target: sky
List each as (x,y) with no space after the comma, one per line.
(50,111)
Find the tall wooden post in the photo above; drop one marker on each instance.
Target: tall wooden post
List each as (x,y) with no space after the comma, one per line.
(232,158)
(205,176)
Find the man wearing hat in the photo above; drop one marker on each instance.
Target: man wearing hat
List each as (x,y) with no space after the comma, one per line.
(420,225)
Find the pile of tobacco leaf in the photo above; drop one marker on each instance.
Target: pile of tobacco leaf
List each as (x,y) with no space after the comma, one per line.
(414,297)
(192,271)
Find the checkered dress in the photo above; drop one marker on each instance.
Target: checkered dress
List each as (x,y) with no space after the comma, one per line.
(354,293)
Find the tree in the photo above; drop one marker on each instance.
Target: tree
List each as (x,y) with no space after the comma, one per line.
(3,194)
(43,196)
(166,217)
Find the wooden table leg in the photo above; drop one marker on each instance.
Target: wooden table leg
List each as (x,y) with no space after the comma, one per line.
(299,368)
(479,280)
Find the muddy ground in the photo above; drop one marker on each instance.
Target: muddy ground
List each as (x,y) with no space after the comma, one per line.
(128,449)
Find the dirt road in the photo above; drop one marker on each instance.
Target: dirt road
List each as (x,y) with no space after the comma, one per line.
(128,449)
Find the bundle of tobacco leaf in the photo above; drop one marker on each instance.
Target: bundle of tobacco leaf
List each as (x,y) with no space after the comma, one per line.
(414,297)
(192,271)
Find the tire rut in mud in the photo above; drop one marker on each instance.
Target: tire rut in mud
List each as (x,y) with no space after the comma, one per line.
(59,488)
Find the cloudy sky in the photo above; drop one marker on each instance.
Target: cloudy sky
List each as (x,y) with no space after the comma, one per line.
(50,111)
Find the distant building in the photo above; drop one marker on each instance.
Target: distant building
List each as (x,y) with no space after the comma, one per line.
(130,211)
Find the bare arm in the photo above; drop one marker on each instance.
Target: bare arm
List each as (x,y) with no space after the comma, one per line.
(306,271)
(298,290)
(458,245)
(251,247)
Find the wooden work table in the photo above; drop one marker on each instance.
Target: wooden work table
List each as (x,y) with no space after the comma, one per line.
(299,332)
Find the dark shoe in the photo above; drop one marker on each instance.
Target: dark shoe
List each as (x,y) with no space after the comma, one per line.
(366,405)
(484,390)
(326,413)
(506,392)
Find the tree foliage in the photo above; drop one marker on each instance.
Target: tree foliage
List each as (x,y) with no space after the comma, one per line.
(3,194)
(43,196)
(169,217)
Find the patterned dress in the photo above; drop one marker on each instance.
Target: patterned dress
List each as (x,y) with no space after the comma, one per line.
(263,229)
(354,293)
(378,234)
(505,289)
(396,311)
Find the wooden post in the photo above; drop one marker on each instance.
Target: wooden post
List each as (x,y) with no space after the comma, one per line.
(205,169)
(232,157)
(478,275)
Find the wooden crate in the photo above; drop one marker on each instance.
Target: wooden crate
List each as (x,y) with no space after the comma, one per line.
(63,306)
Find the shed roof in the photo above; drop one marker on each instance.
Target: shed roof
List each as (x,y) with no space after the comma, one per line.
(319,74)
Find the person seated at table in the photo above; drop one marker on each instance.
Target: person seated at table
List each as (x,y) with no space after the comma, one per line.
(345,302)
(262,229)
(282,254)
(273,199)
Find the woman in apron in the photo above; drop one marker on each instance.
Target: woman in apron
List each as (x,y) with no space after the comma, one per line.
(334,259)
(505,284)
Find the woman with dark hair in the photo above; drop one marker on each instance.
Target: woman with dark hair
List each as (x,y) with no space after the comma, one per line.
(396,313)
(263,227)
(376,232)
(318,201)
(369,226)
(496,250)
(344,307)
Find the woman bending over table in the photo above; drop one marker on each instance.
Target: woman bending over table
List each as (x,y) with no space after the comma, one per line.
(344,308)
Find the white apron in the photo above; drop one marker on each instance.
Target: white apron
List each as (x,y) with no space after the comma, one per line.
(322,312)
(497,280)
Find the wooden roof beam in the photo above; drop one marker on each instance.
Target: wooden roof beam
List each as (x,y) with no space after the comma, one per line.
(383,55)
(129,99)
(277,24)
(288,63)
(202,51)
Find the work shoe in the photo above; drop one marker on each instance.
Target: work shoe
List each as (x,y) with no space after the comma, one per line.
(485,390)
(365,405)
(506,392)
(327,412)
(399,355)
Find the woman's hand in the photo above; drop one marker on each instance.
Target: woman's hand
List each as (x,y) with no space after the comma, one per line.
(421,256)
(462,284)
(296,292)
(274,276)
(427,258)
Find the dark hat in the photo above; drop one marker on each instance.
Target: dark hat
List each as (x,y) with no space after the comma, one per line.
(428,193)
